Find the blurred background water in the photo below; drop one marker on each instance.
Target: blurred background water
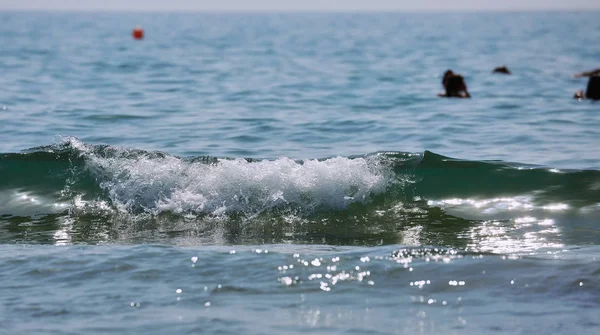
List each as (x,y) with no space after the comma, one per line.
(284,173)
(302,85)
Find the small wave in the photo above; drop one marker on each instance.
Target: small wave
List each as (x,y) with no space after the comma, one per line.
(135,182)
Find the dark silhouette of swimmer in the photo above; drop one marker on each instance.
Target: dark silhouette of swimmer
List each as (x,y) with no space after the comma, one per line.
(593,89)
(454,85)
(501,69)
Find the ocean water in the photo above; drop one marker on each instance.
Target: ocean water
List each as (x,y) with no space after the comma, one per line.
(264,173)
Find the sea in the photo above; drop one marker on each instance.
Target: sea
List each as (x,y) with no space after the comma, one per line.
(295,173)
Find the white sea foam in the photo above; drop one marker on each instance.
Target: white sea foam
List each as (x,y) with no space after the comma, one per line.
(158,184)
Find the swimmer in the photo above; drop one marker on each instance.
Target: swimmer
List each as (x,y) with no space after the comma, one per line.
(501,69)
(454,86)
(592,91)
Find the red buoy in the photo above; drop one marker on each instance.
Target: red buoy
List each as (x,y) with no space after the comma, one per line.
(138,33)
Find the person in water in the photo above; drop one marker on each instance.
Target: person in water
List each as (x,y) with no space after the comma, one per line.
(501,69)
(593,88)
(454,86)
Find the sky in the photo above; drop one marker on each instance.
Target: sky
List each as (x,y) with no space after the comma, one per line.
(301,5)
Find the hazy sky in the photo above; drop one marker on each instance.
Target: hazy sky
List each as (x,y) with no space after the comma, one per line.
(288,5)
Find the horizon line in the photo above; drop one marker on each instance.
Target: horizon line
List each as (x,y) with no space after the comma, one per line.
(300,11)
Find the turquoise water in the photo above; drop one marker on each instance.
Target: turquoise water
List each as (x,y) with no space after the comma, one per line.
(293,173)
